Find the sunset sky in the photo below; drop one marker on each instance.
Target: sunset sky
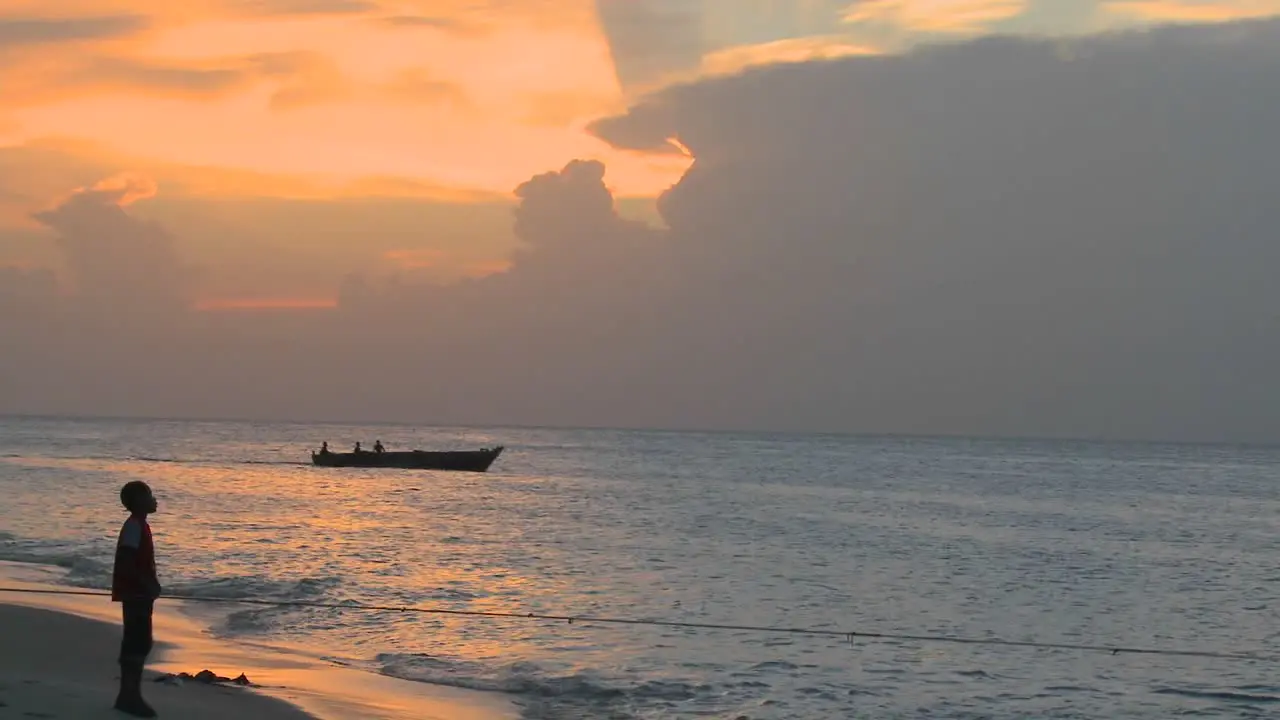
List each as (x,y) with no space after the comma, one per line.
(555,165)
(433,96)
(408,102)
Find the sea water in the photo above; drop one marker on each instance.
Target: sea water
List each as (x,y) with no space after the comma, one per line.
(1159,546)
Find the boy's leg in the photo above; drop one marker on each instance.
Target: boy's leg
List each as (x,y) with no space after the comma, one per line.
(135,645)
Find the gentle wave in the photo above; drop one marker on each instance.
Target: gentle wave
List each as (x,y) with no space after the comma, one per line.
(257,587)
(229,619)
(185,461)
(82,570)
(258,619)
(541,692)
(150,459)
(86,571)
(1233,695)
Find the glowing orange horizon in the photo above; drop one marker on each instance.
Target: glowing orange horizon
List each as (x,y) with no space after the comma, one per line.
(251,304)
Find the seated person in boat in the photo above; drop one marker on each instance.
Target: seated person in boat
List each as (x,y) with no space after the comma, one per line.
(377,446)
(324,448)
(358,449)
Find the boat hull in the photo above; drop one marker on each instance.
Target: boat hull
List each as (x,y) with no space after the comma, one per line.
(456,460)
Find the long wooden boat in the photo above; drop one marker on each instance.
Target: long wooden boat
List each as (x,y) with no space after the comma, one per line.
(457,460)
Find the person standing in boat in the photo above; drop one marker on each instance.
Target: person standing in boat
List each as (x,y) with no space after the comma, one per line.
(377,446)
(324,448)
(358,449)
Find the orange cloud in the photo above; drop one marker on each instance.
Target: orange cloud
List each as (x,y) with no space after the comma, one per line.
(446,266)
(34,172)
(121,190)
(738,58)
(935,16)
(416,259)
(431,22)
(404,187)
(566,107)
(295,87)
(299,7)
(1192,10)
(416,85)
(294,78)
(252,304)
(485,268)
(124,188)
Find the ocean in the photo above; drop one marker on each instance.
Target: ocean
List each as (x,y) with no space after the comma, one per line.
(1163,546)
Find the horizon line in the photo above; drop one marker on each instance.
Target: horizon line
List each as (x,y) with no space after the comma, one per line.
(852,434)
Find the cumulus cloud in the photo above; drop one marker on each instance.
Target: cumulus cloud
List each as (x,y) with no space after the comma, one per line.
(563,207)
(1064,241)
(565,220)
(118,264)
(121,190)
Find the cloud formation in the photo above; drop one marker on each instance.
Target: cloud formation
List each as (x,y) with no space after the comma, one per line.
(935,16)
(417,85)
(651,42)
(441,91)
(1057,236)
(429,22)
(1191,10)
(120,266)
(16,32)
(295,78)
(116,73)
(1002,236)
(300,7)
(734,60)
(997,236)
(25,289)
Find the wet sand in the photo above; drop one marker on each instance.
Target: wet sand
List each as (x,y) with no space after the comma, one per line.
(58,660)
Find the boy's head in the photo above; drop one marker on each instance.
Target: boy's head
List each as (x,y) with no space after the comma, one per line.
(136,496)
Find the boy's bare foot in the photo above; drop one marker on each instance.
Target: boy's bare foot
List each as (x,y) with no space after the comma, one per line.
(135,706)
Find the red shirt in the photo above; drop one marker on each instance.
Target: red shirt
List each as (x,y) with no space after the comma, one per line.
(134,534)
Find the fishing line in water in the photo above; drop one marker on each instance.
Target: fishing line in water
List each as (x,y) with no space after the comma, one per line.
(850,635)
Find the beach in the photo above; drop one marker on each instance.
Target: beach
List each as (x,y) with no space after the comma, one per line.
(58,662)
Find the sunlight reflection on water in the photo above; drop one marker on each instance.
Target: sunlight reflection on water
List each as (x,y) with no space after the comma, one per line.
(1137,544)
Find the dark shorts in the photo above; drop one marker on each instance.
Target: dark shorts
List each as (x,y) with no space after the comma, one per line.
(136,643)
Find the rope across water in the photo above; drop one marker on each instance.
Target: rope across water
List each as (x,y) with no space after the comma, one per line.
(850,635)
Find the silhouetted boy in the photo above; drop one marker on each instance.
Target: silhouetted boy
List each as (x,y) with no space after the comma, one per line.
(135,586)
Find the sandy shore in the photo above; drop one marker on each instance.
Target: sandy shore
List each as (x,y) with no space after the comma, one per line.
(56,665)
(57,661)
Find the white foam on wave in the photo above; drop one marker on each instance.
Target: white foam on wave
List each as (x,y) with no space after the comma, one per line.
(545,693)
